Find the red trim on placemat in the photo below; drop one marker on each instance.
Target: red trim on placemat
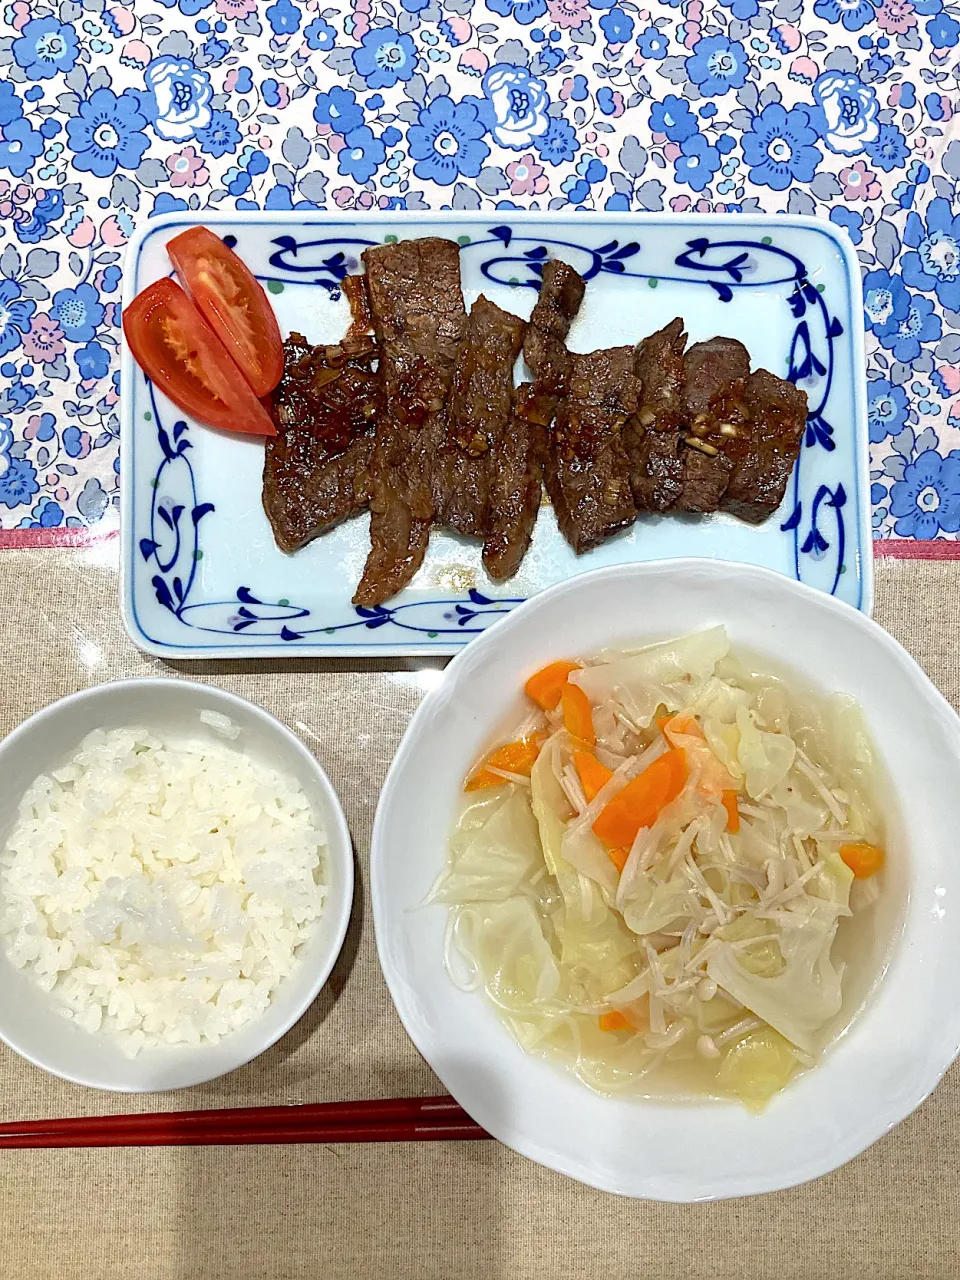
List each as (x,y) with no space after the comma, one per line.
(908,549)
(24,539)
(883,548)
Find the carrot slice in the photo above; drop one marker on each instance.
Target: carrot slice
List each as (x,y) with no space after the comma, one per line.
(613,1021)
(863,859)
(687,725)
(729,801)
(515,757)
(641,801)
(545,686)
(619,858)
(593,774)
(714,776)
(577,716)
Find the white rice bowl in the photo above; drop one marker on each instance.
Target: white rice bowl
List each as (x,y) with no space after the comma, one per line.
(160,889)
(175,884)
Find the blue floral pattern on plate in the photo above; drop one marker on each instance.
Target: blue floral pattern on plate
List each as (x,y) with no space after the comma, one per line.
(838,108)
(193,586)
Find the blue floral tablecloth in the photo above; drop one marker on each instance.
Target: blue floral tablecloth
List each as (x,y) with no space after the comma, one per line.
(110,113)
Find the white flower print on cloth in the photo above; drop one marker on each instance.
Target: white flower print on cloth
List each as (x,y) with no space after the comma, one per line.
(850,109)
(111,112)
(181,96)
(516,106)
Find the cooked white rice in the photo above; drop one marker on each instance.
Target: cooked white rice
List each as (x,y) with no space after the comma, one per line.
(159,889)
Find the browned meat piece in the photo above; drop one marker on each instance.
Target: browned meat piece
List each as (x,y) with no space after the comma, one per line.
(544,349)
(418,318)
(477,417)
(587,471)
(361,321)
(656,470)
(398,544)
(715,376)
(482,392)
(315,468)
(764,452)
(705,478)
(515,487)
(660,368)
(461,491)
(652,438)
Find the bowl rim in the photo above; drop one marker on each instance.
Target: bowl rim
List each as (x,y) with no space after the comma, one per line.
(928,1075)
(339,846)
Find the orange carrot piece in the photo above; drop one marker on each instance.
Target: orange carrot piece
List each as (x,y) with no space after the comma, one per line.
(593,774)
(729,801)
(619,858)
(515,757)
(613,1021)
(577,715)
(641,801)
(546,686)
(863,859)
(687,725)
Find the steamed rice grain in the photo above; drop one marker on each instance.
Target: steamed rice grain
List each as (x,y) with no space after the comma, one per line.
(160,889)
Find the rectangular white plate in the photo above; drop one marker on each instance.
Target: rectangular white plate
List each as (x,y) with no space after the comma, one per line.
(202,576)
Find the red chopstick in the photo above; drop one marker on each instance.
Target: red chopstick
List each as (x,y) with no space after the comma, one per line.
(374,1120)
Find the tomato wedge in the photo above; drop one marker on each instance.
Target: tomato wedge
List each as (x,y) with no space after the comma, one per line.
(233,303)
(177,349)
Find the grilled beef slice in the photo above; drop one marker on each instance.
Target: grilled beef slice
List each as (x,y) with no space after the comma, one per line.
(515,487)
(315,468)
(764,451)
(477,418)
(544,349)
(418,319)
(361,321)
(652,438)
(715,377)
(586,470)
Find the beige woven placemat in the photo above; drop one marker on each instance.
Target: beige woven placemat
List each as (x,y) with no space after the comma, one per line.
(423,1211)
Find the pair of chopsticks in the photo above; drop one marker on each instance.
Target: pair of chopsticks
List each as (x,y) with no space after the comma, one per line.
(375,1120)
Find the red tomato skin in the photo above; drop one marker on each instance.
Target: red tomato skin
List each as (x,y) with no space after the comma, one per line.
(226,401)
(258,355)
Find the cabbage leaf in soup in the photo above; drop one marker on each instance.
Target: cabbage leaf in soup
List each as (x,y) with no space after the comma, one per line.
(665,675)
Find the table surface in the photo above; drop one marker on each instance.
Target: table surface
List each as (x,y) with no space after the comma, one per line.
(430,1211)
